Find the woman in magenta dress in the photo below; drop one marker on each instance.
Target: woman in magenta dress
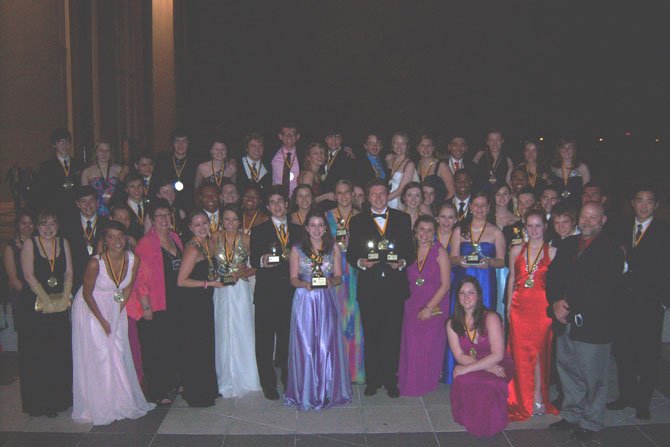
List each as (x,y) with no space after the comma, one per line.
(477,340)
(529,327)
(423,336)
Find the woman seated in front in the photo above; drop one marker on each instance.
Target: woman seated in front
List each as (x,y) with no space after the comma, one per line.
(477,341)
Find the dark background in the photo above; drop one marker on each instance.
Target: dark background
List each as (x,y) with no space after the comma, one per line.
(590,69)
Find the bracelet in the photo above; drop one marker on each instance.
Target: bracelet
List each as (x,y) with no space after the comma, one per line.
(146,307)
(204,284)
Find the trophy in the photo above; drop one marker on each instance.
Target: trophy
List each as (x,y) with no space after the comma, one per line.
(476,256)
(373,254)
(224,270)
(341,235)
(274,257)
(518,237)
(319,280)
(391,255)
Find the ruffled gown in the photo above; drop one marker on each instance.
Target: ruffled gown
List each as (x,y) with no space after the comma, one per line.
(318,373)
(105,385)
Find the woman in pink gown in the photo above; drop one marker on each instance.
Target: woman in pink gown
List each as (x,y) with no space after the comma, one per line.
(423,335)
(105,385)
(477,340)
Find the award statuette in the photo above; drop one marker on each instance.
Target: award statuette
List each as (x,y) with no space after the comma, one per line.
(391,256)
(319,280)
(342,231)
(518,237)
(476,256)
(274,257)
(373,254)
(224,260)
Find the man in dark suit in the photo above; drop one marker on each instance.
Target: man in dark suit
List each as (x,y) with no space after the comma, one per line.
(209,197)
(461,200)
(339,165)
(457,148)
(83,230)
(254,171)
(273,295)
(57,177)
(382,285)
(646,293)
(179,166)
(137,204)
(582,281)
(371,165)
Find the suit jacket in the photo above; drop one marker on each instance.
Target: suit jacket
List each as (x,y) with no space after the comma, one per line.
(271,282)
(73,231)
(398,230)
(244,180)
(589,283)
(48,188)
(647,277)
(365,172)
(342,167)
(164,169)
(468,214)
(136,229)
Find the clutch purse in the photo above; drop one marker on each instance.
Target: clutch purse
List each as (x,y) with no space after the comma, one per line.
(52,303)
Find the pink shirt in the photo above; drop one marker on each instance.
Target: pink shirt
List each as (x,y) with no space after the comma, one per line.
(150,279)
(278,168)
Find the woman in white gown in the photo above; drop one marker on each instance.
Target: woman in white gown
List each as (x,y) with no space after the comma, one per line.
(401,169)
(236,368)
(105,385)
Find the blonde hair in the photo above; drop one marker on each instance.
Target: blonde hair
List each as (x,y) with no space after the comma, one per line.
(94,155)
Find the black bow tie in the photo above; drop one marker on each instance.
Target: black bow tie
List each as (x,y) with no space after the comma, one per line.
(375,215)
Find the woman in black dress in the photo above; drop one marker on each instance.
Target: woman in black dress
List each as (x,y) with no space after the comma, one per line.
(45,344)
(197,278)
(25,227)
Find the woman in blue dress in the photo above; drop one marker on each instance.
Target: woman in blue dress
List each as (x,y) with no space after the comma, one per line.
(317,366)
(104,175)
(477,250)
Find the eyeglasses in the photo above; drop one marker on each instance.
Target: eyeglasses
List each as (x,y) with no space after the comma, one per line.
(62,141)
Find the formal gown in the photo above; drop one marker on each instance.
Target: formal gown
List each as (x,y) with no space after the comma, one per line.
(235,357)
(105,190)
(573,187)
(195,326)
(529,337)
(318,374)
(44,344)
(501,291)
(487,280)
(394,184)
(479,399)
(105,385)
(350,315)
(423,342)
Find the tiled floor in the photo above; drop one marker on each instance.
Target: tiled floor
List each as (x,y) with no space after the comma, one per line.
(255,421)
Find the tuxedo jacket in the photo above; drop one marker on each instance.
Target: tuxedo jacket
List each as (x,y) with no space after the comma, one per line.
(48,187)
(590,284)
(164,169)
(243,179)
(271,282)
(73,231)
(647,277)
(342,167)
(468,214)
(398,230)
(365,172)
(136,229)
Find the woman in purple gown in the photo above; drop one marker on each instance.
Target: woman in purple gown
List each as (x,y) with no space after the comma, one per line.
(483,370)
(423,336)
(317,365)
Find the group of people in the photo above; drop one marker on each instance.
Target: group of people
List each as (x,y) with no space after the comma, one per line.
(337,267)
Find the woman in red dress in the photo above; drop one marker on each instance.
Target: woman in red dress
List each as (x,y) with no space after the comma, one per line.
(530,328)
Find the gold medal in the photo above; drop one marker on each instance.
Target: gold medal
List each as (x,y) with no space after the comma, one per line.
(530,282)
(565,194)
(68,184)
(178,185)
(473,353)
(52,281)
(119,297)
(419,281)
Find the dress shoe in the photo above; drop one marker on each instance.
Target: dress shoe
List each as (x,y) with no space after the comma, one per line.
(393,392)
(370,390)
(271,394)
(561,425)
(618,404)
(582,434)
(643,414)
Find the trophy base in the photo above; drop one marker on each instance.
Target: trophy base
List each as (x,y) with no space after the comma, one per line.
(473,259)
(274,259)
(373,256)
(319,282)
(227,280)
(392,258)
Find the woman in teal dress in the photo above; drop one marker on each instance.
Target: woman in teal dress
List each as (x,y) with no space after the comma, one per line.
(477,250)
(350,317)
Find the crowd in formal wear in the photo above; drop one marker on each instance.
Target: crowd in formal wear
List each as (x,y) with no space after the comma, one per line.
(330,267)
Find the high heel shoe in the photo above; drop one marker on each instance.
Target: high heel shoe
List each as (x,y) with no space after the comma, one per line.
(538,409)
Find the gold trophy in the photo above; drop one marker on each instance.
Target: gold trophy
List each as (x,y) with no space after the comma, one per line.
(319,280)
(274,257)
(373,254)
(391,255)
(474,257)
(224,270)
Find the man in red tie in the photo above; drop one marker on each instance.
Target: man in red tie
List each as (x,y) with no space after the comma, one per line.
(582,285)
(457,147)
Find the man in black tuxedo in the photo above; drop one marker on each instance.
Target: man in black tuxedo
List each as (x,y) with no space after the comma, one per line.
(254,170)
(339,165)
(137,204)
(57,177)
(582,283)
(646,293)
(371,166)
(83,231)
(382,285)
(273,295)
(178,166)
(461,200)
(209,197)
